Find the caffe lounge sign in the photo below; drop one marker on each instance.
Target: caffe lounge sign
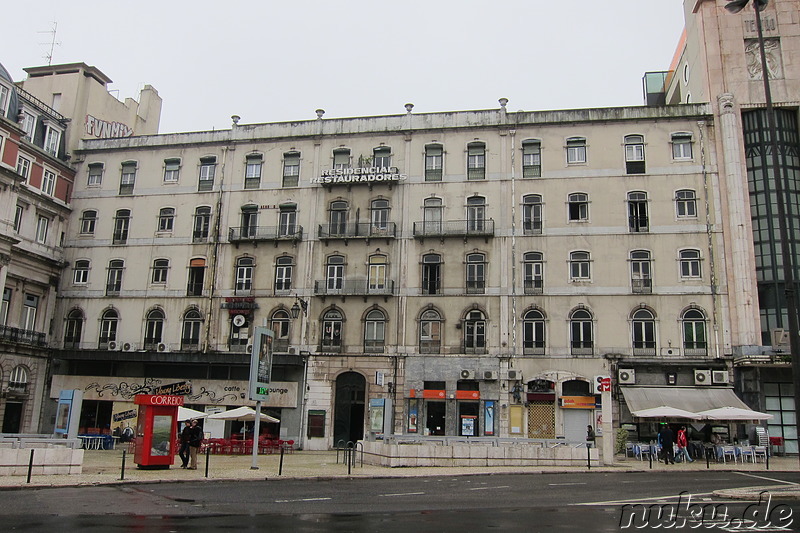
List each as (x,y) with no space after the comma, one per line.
(359,175)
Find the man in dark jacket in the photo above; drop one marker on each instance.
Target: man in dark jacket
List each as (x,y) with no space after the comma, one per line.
(195,440)
(184,451)
(667,442)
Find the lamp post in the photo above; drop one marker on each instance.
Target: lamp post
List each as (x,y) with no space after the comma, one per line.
(782,187)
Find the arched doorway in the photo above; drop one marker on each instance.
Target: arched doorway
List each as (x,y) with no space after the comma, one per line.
(348,416)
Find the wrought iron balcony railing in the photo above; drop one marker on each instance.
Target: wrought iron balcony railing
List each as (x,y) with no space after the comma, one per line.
(265,233)
(348,287)
(22,336)
(359,230)
(455,228)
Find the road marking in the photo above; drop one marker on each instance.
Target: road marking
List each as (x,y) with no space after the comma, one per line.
(564,484)
(490,488)
(403,494)
(655,498)
(767,478)
(303,500)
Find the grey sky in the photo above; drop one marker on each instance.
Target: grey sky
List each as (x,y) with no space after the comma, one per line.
(279,60)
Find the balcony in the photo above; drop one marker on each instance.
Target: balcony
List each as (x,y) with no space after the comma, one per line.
(641,286)
(265,234)
(455,228)
(533,348)
(582,348)
(534,286)
(430,346)
(353,288)
(359,230)
(22,336)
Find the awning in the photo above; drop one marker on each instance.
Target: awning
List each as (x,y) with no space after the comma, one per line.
(692,399)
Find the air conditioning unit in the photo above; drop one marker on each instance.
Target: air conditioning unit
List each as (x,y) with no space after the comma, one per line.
(489,375)
(467,374)
(780,339)
(514,375)
(626,376)
(162,347)
(702,377)
(670,352)
(719,377)
(128,347)
(112,345)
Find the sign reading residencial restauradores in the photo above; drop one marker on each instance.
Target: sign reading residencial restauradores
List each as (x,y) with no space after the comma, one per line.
(359,175)
(261,363)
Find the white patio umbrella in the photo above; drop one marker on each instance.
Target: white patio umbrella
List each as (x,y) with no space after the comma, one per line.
(733,413)
(244,413)
(184,413)
(665,411)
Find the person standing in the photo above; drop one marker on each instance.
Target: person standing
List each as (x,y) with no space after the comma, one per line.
(667,441)
(683,444)
(195,440)
(589,435)
(184,451)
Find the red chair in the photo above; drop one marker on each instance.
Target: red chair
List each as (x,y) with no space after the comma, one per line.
(287,445)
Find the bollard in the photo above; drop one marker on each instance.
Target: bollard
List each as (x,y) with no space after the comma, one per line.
(208,449)
(588,456)
(768,454)
(650,457)
(30,467)
(280,466)
(708,464)
(122,470)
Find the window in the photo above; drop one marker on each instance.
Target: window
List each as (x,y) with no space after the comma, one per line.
(634,154)
(208,166)
(42,225)
(197,272)
(239,335)
(291,169)
(533,272)
(476,161)
(52,139)
(95,176)
(334,273)
(431,274)
(430,327)
(122,222)
(433,162)
(382,157)
(682,146)
(280,326)
(532,214)
(284,267)
(576,150)
(690,263)
(578,207)
(80,272)
(581,338)
(114,277)
(476,214)
(337,215)
(332,323)
(127,178)
(641,279)
(474,332)
(31,306)
(432,216)
(379,217)
(5,98)
(252,171)
(190,333)
(637,212)
(5,306)
(341,158)
(686,204)
(694,332)
(18,380)
(24,168)
(160,271)
(377,274)
(166,219)
(73,329)
(172,170)
(28,123)
(287,220)
(18,218)
(244,275)
(531,159)
(579,266)
(374,331)
(249,221)
(644,332)
(154,329)
(88,222)
(533,341)
(48,182)
(476,273)
(202,224)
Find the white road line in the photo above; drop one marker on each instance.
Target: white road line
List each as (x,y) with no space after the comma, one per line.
(767,478)
(489,488)
(632,500)
(564,484)
(303,500)
(403,494)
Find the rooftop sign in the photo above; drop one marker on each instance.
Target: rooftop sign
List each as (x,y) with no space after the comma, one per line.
(359,175)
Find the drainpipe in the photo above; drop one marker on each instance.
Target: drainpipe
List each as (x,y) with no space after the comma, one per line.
(215,252)
(710,236)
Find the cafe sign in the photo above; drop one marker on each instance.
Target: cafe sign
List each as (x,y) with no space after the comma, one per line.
(180,388)
(359,175)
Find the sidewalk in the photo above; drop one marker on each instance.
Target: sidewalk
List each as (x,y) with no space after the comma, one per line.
(102,467)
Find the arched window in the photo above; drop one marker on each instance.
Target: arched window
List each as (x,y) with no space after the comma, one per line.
(332,325)
(80,273)
(581,332)
(533,272)
(108,328)
(88,222)
(382,157)
(249,229)
(533,333)
(641,276)
(341,158)
(476,273)
(166,219)
(244,275)
(433,162)
(634,154)
(160,271)
(690,263)
(374,331)
(475,332)
(202,223)
(432,216)
(638,221)
(122,224)
(377,274)
(643,324)
(18,380)
(686,203)
(531,158)
(114,277)
(190,333)
(280,325)
(284,267)
(430,336)
(73,329)
(476,161)
(476,214)
(532,214)
(337,216)
(694,332)
(334,274)
(580,266)
(252,170)
(379,217)
(154,329)
(578,207)
(291,169)
(431,274)
(576,150)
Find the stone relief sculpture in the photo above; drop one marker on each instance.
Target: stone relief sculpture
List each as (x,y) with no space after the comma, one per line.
(772,50)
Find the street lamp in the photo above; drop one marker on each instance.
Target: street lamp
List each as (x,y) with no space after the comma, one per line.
(299,304)
(780,193)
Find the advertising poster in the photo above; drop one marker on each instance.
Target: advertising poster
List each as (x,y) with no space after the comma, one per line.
(413,415)
(488,417)
(468,425)
(261,364)
(376,411)
(162,430)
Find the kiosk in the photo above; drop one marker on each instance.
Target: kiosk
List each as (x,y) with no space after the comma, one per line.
(156,430)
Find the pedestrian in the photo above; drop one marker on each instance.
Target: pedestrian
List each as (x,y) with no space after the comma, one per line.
(195,440)
(683,444)
(589,435)
(184,450)
(667,441)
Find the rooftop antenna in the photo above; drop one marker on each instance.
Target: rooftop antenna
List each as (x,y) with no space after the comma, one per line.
(52,43)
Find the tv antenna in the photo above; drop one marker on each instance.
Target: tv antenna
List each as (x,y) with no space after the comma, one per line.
(52,43)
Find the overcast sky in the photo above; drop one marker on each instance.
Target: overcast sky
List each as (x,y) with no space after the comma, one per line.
(280,60)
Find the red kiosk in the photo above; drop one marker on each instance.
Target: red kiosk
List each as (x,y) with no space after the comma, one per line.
(156,430)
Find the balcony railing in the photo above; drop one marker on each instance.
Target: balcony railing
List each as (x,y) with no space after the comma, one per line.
(642,286)
(455,228)
(695,348)
(265,233)
(22,336)
(582,348)
(644,349)
(353,288)
(533,349)
(375,346)
(534,286)
(426,346)
(359,230)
